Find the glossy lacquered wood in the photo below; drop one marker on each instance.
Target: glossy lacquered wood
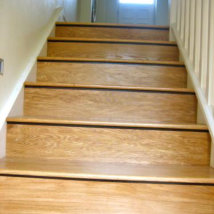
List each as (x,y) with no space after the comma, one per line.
(112,32)
(121,88)
(100,60)
(66,169)
(109,127)
(112,49)
(112,74)
(116,25)
(113,41)
(160,126)
(108,105)
(105,144)
(42,196)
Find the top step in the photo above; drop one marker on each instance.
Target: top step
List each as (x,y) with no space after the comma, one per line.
(112,31)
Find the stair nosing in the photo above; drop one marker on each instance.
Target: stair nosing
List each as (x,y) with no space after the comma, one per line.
(157,27)
(146,62)
(117,41)
(119,178)
(108,87)
(158,126)
(108,174)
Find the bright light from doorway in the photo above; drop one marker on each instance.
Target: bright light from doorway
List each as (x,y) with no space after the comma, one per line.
(137,1)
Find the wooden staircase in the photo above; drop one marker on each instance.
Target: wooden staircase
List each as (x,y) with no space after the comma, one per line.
(109,127)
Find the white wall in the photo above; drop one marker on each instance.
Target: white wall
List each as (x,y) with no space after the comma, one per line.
(101,11)
(84,10)
(162,12)
(25,25)
(71,10)
(107,11)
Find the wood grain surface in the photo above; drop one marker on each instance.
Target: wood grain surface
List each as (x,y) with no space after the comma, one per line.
(101,60)
(116,25)
(100,144)
(110,32)
(109,50)
(112,74)
(110,105)
(109,127)
(51,85)
(41,196)
(112,41)
(65,169)
(158,126)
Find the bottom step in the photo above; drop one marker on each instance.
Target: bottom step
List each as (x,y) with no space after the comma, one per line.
(47,196)
(80,195)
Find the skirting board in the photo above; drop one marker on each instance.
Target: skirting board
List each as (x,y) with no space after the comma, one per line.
(3,132)
(14,107)
(205,108)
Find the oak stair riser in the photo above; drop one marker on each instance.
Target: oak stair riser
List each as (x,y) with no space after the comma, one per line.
(112,32)
(108,144)
(112,74)
(66,196)
(112,50)
(108,105)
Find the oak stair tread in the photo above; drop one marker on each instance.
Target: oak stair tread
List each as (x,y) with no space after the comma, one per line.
(112,25)
(101,60)
(106,171)
(42,120)
(118,41)
(131,88)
